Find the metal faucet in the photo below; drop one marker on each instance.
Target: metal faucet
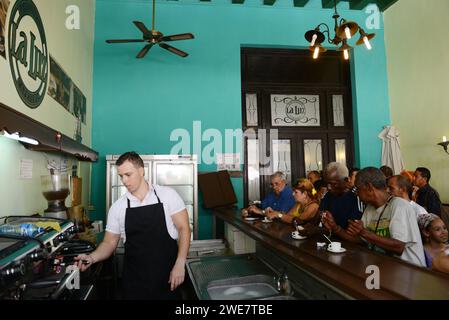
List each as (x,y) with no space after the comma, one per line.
(283,283)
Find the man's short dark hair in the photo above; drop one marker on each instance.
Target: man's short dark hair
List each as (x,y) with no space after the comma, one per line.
(371,175)
(403,183)
(425,173)
(132,157)
(387,171)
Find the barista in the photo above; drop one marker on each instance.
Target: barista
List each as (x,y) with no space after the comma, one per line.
(150,219)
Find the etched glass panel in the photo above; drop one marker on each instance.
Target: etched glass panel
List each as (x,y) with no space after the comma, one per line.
(313,157)
(340,151)
(295,110)
(251,109)
(281,152)
(253,170)
(339,115)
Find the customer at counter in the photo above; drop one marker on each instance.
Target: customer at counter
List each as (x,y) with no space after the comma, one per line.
(306,206)
(340,199)
(388,224)
(150,219)
(426,196)
(400,186)
(435,236)
(280,199)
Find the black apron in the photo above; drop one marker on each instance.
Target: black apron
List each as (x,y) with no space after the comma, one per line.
(150,254)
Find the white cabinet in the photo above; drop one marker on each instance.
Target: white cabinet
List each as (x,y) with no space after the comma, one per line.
(176,171)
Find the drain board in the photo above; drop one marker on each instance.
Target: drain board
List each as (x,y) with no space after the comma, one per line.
(203,271)
(242,288)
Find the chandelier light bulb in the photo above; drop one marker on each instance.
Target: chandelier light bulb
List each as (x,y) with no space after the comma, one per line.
(367,43)
(316,52)
(312,43)
(346,54)
(348,33)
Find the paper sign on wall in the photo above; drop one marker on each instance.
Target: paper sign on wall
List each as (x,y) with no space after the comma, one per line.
(26,169)
(228,161)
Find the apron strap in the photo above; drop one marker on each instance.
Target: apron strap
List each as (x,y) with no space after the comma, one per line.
(158,200)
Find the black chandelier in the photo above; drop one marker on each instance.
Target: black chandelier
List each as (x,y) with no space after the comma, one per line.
(344,30)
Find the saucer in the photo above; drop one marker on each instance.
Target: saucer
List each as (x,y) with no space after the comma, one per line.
(334,251)
(267,221)
(299,237)
(251,218)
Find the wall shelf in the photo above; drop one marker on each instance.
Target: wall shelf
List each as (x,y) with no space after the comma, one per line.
(14,121)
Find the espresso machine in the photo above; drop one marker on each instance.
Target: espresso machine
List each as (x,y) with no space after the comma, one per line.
(55,188)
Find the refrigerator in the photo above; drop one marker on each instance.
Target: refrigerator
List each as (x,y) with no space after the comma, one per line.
(179,172)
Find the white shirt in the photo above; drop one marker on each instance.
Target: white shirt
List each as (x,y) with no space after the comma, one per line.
(398,222)
(418,209)
(170,199)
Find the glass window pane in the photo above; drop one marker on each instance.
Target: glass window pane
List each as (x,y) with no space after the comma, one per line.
(295,110)
(282,158)
(251,109)
(253,170)
(340,151)
(339,115)
(313,158)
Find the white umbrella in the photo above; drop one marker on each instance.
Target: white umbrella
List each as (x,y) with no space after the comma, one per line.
(391,150)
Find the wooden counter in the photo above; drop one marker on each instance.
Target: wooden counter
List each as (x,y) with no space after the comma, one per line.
(344,271)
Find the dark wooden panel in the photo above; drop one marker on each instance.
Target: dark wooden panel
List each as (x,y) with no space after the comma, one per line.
(328,3)
(300,3)
(293,66)
(14,121)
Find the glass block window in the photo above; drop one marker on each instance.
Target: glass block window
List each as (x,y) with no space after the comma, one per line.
(253,169)
(340,151)
(313,156)
(281,151)
(338,110)
(251,110)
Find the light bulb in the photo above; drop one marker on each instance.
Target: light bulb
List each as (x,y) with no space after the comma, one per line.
(367,43)
(444,139)
(348,33)
(316,52)
(312,43)
(346,54)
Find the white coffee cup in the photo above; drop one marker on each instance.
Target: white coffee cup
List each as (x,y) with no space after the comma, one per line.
(335,246)
(295,234)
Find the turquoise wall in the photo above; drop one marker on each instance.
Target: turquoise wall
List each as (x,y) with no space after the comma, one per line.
(137,103)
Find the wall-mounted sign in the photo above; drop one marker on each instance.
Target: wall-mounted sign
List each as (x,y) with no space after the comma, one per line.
(62,88)
(28,53)
(4,4)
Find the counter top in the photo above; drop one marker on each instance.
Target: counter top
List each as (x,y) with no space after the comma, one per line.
(345,271)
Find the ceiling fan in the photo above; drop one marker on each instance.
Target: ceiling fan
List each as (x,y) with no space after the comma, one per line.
(153,37)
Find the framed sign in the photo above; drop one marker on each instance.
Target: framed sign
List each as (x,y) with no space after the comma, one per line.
(295,110)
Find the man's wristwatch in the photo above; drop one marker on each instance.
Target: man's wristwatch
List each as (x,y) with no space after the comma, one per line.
(280,215)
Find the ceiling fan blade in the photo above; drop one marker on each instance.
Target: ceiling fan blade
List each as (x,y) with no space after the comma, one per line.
(182,36)
(142,27)
(124,40)
(144,51)
(173,50)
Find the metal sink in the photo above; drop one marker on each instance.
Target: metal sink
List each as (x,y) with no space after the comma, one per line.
(242,288)
(233,278)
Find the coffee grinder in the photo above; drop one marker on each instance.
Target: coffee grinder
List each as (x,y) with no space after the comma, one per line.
(55,188)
